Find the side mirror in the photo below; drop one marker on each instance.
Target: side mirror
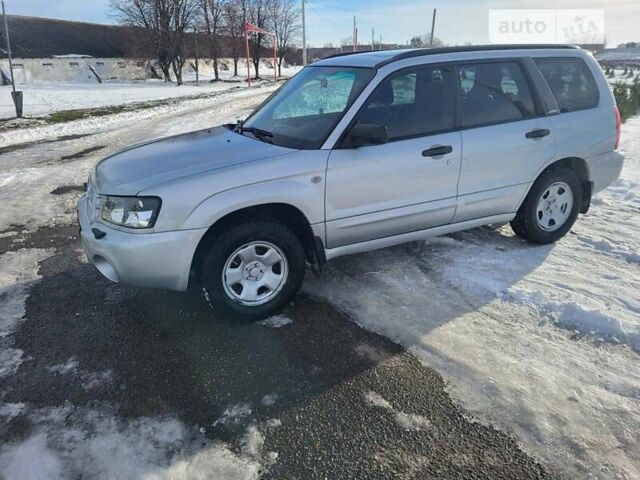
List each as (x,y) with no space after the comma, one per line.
(368,134)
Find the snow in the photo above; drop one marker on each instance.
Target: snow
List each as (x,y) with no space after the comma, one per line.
(276,321)
(92,125)
(406,421)
(234,415)
(74,442)
(9,411)
(17,271)
(270,399)
(31,460)
(70,366)
(541,341)
(46,98)
(42,99)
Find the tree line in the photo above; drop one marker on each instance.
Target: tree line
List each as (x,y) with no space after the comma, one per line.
(169,24)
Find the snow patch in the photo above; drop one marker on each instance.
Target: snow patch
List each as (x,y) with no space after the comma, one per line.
(277,321)
(406,421)
(17,270)
(234,415)
(31,460)
(11,410)
(69,366)
(253,442)
(270,399)
(91,380)
(80,443)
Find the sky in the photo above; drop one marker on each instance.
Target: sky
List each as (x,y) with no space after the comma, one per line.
(330,21)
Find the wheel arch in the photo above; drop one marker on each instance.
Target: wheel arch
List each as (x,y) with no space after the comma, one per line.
(285,213)
(581,168)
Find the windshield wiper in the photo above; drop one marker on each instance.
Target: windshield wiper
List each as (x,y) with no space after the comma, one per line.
(260,134)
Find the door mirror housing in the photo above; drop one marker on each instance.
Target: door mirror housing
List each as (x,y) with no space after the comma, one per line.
(367,134)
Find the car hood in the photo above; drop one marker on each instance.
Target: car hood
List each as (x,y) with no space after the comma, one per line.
(149,164)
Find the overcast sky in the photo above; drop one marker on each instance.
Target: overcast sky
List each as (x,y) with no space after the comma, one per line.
(329,21)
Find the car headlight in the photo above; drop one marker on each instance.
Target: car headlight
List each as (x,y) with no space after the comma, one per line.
(131,212)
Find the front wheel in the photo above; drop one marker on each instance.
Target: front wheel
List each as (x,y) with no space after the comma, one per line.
(551,207)
(253,269)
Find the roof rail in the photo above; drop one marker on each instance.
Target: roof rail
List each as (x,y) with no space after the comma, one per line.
(344,54)
(472,48)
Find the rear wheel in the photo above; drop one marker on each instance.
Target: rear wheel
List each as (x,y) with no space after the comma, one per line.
(253,269)
(551,207)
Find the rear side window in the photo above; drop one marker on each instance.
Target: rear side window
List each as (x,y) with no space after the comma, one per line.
(571,82)
(494,93)
(413,103)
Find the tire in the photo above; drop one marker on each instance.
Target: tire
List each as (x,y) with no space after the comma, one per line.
(544,220)
(239,277)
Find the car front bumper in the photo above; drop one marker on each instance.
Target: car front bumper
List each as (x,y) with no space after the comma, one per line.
(155,260)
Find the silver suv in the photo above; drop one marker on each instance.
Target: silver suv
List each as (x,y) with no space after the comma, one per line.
(357,152)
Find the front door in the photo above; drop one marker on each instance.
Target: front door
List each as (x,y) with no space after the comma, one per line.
(409,183)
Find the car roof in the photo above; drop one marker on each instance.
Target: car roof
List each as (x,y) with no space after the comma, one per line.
(380,58)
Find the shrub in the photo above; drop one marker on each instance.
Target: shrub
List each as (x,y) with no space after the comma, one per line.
(628,98)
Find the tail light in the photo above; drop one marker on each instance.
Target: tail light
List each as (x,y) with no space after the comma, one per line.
(618,127)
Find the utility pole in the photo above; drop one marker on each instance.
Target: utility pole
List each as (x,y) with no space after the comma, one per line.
(304,37)
(381,42)
(195,31)
(355,34)
(373,36)
(433,26)
(15,95)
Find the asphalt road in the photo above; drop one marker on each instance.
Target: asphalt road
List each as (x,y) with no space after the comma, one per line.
(170,355)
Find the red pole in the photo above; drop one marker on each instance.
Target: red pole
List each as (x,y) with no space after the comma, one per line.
(246,43)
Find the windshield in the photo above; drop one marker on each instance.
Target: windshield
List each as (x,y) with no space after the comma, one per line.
(307,108)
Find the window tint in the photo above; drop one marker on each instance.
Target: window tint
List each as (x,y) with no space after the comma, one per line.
(571,82)
(494,93)
(412,103)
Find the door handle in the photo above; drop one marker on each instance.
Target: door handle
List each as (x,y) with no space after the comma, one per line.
(538,133)
(437,151)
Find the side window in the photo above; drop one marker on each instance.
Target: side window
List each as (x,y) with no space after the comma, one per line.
(320,95)
(494,93)
(571,82)
(404,89)
(412,103)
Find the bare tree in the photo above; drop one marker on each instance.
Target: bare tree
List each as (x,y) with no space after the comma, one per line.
(183,13)
(212,15)
(154,17)
(166,21)
(257,12)
(285,18)
(234,18)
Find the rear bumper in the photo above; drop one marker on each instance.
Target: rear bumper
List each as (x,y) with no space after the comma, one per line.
(604,169)
(156,260)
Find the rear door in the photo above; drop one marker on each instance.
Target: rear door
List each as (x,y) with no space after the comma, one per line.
(408,184)
(506,137)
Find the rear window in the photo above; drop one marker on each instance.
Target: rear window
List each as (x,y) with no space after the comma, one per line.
(571,82)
